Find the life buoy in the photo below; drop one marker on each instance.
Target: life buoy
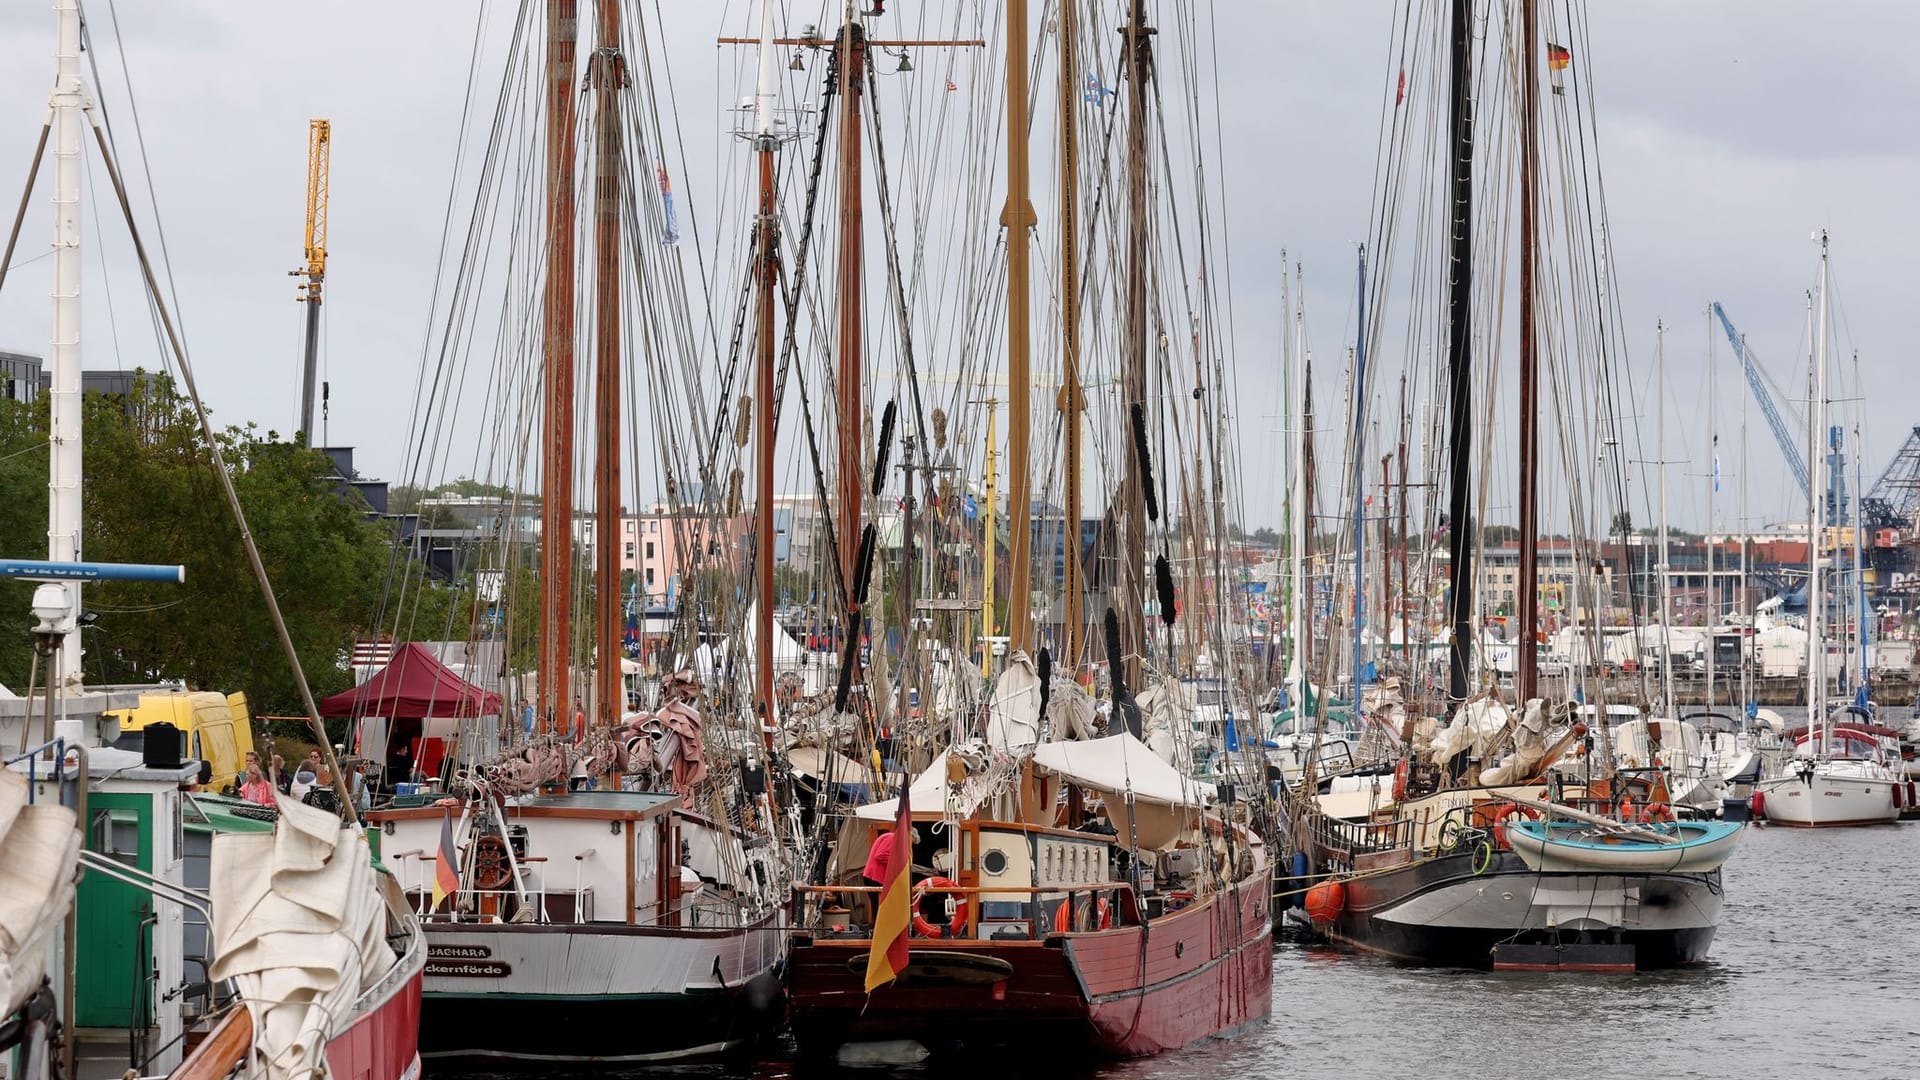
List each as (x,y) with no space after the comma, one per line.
(1655,811)
(1400,781)
(926,928)
(1063,916)
(1500,822)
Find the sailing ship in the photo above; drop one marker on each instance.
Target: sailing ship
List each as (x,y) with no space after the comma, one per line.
(1504,840)
(606,887)
(1070,894)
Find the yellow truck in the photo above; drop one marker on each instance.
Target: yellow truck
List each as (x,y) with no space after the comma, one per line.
(216,727)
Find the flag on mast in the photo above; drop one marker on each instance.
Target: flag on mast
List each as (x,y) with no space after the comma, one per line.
(670,235)
(893,915)
(446,868)
(1558,57)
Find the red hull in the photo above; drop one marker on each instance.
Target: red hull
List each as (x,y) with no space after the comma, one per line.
(1126,992)
(383,1042)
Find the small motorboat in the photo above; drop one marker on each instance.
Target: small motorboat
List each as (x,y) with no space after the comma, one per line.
(1678,847)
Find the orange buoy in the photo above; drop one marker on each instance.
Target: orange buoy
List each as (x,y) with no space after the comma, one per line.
(1500,822)
(1758,804)
(1655,812)
(1400,781)
(1325,901)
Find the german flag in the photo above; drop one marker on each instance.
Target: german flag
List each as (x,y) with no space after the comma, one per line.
(1558,57)
(893,917)
(446,868)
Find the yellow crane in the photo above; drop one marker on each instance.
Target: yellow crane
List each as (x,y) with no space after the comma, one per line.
(319,145)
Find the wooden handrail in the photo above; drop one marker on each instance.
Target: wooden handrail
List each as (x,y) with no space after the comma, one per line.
(220,1052)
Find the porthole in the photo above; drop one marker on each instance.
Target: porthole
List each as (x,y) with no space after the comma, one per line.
(994,863)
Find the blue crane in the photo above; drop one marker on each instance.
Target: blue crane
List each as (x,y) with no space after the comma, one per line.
(1789,447)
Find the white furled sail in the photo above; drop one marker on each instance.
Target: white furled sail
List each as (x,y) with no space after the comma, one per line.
(299,926)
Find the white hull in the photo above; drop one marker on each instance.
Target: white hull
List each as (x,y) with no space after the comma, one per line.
(1834,793)
(676,984)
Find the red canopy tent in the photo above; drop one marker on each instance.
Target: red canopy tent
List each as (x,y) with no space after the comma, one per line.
(413,686)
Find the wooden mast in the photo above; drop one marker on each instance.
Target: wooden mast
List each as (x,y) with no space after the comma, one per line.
(1018,218)
(556,487)
(850,58)
(1133,557)
(1527,666)
(608,73)
(766,237)
(1460,356)
(1070,324)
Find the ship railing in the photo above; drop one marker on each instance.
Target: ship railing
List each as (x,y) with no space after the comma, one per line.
(1341,842)
(846,911)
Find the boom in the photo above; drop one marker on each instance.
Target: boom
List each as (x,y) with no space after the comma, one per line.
(319,147)
(1789,447)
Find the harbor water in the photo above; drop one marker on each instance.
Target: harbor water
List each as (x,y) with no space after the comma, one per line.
(1815,973)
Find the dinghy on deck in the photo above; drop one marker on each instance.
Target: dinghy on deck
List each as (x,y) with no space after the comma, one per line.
(1689,847)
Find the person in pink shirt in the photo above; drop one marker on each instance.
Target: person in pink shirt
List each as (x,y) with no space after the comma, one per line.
(257,789)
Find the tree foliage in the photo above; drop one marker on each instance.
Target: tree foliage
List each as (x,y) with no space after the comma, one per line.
(151,496)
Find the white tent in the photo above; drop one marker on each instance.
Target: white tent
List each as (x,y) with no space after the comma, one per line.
(1149,801)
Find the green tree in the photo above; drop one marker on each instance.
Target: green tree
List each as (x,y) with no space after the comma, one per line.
(151,497)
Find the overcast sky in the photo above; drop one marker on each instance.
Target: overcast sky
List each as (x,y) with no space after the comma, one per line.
(1729,132)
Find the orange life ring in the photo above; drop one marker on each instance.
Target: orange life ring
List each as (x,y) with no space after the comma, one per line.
(1400,781)
(1500,822)
(1063,915)
(1655,811)
(924,927)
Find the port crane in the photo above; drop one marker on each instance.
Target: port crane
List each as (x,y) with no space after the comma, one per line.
(1757,383)
(319,147)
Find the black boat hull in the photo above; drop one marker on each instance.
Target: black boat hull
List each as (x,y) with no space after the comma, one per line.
(1440,912)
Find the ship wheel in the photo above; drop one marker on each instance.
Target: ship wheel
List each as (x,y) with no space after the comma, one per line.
(491,870)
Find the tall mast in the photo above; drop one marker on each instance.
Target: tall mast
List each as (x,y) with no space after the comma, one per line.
(1816,518)
(1746,594)
(63,395)
(1459,353)
(1527,670)
(1298,412)
(556,489)
(766,236)
(1069,321)
(850,58)
(1018,218)
(1139,56)
(608,72)
(1666,554)
(1358,452)
(1713,492)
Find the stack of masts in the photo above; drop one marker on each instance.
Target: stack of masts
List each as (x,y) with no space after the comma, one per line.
(556,486)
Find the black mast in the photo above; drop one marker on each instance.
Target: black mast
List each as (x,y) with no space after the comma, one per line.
(1459,353)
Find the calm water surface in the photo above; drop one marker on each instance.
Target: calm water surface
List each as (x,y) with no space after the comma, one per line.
(1815,973)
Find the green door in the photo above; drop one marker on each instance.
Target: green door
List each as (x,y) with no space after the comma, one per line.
(113,980)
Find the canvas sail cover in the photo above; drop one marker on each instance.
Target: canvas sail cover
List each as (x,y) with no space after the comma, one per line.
(1149,801)
(299,926)
(39,850)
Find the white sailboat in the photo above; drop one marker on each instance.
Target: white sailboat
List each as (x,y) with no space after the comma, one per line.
(1838,773)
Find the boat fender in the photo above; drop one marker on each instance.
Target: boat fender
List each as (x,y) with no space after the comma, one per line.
(1325,901)
(1758,804)
(1655,811)
(1302,869)
(1500,822)
(1400,781)
(763,996)
(925,928)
